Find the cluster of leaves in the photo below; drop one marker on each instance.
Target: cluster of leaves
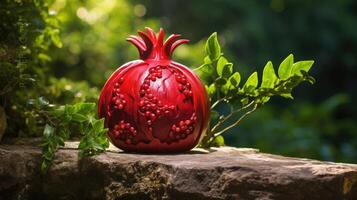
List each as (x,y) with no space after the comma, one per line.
(70,121)
(223,86)
(28,30)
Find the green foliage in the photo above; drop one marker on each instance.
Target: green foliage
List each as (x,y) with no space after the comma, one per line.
(27,32)
(75,120)
(222,84)
(93,35)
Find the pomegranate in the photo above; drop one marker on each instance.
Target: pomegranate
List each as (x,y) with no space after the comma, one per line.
(154,104)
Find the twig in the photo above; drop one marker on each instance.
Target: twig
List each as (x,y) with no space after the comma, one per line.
(216,103)
(220,122)
(235,123)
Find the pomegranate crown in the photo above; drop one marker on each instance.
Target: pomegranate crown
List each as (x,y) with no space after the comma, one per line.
(151,46)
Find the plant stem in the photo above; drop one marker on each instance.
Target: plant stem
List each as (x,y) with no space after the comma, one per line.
(235,123)
(216,103)
(220,122)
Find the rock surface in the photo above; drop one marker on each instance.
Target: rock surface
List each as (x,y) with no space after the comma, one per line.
(223,173)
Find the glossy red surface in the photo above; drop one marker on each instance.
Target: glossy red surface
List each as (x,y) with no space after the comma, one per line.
(154,104)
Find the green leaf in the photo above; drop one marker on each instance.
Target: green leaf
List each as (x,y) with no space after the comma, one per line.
(224,68)
(220,81)
(285,67)
(211,90)
(218,141)
(48,131)
(213,49)
(44,57)
(207,60)
(252,82)
(79,117)
(206,73)
(269,76)
(85,108)
(302,66)
(56,38)
(287,95)
(214,115)
(43,102)
(235,79)
(227,70)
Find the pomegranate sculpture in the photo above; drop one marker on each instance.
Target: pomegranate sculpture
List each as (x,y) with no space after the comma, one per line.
(154,104)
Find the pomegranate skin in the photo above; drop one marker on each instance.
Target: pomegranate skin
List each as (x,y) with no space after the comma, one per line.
(154,105)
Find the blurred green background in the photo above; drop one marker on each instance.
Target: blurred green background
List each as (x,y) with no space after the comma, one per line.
(320,123)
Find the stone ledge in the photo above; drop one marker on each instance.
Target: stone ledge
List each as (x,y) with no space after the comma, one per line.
(223,173)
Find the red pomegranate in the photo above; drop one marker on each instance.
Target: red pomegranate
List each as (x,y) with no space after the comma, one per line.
(154,104)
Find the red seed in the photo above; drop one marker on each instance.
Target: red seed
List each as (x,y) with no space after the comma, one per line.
(153,116)
(127,125)
(120,106)
(132,129)
(141,103)
(145,86)
(182,123)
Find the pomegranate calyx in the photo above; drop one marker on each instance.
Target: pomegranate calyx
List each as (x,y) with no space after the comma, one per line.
(151,46)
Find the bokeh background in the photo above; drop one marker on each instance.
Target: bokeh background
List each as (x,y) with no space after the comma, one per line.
(320,123)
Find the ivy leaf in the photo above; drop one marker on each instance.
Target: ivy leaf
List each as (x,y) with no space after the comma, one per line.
(302,66)
(48,131)
(95,140)
(252,83)
(269,76)
(213,49)
(235,79)
(79,117)
(285,67)
(85,108)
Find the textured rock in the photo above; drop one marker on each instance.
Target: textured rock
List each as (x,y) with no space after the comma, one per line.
(223,173)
